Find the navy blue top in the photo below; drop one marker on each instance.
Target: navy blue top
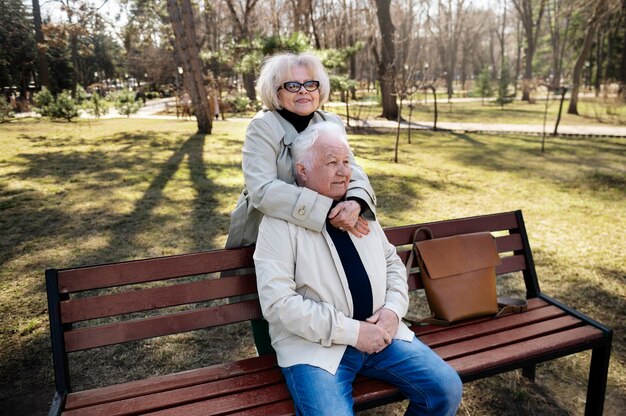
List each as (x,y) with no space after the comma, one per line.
(358,280)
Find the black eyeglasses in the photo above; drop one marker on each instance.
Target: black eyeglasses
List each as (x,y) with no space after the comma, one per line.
(294,86)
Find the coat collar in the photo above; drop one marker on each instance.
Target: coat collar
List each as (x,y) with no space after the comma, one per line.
(287,130)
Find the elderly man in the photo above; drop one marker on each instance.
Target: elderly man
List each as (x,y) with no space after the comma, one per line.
(334,301)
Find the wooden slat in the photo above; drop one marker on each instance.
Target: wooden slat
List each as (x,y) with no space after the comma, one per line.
(525,350)
(228,404)
(511,264)
(504,338)
(508,243)
(182,396)
(494,222)
(155,326)
(82,309)
(168,382)
(491,326)
(282,408)
(420,331)
(148,270)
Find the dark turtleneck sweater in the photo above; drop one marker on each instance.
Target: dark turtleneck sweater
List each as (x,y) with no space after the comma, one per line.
(300,123)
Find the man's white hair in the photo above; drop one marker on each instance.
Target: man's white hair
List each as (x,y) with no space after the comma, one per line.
(304,142)
(276,70)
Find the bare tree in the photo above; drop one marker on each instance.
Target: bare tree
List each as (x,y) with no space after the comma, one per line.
(385,60)
(598,11)
(181,17)
(622,66)
(42,59)
(530,16)
(447,28)
(558,18)
(243,24)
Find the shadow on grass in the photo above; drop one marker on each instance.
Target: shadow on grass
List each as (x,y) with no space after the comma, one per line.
(38,215)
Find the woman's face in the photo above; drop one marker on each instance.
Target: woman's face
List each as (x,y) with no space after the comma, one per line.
(302,102)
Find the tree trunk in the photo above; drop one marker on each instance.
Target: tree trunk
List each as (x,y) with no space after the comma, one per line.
(532,27)
(386,65)
(181,17)
(622,66)
(584,53)
(42,58)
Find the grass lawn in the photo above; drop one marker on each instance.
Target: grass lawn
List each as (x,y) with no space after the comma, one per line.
(591,111)
(102,191)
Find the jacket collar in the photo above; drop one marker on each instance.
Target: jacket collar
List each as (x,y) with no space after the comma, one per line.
(288,131)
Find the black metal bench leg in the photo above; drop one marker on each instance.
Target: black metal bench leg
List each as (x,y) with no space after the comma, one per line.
(529,372)
(598,372)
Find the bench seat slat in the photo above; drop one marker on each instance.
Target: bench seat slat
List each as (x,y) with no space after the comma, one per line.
(173,323)
(182,396)
(229,404)
(168,382)
(499,339)
(102,306)
(491,326)
(141,271)
(281,408)
(525,350)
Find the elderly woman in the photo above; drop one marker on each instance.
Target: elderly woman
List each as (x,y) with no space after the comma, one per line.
(334,301)
(292,88)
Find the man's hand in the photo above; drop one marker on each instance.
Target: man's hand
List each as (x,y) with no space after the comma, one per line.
(386,319)
(345,216)
(372,338)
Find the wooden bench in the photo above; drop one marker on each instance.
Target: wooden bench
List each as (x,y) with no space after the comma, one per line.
(114,308)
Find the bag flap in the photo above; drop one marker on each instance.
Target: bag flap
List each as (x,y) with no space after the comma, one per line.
(450,256)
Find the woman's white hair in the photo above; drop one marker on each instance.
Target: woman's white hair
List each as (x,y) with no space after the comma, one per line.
(276,70)
(301,146)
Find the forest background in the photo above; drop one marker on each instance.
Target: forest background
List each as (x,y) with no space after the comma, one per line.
(506,48)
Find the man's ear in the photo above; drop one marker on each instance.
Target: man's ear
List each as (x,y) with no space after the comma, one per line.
(301,174)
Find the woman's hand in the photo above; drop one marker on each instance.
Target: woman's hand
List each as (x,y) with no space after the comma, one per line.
(345,216)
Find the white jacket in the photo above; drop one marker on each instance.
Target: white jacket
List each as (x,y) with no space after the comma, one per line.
(270,181)
(305,296)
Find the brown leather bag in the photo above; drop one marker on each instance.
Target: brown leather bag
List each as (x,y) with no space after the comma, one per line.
(459,277)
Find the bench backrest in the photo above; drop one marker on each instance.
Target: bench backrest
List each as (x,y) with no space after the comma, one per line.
(97,306)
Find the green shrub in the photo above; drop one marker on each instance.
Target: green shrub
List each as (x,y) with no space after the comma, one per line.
(64,107)
(483,84)
(96,106)
(124,102)
(237,103)
(6,112)
(43,101)
(61,107)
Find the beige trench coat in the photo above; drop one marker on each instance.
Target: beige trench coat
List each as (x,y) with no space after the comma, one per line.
(305,295)
(270,181)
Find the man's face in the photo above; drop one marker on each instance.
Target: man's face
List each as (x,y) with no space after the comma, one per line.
(330,169)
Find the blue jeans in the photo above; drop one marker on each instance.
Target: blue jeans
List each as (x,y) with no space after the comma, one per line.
(430,384)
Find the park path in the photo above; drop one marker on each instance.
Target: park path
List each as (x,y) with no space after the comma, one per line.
(566,130)
(155,109)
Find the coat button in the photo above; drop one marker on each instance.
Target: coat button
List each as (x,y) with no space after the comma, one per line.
(301,212)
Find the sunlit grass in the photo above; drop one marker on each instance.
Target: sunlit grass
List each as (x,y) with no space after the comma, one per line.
(103,191)
(597,111)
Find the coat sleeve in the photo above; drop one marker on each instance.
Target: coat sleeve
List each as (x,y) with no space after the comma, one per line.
(282,305)
(271,195)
